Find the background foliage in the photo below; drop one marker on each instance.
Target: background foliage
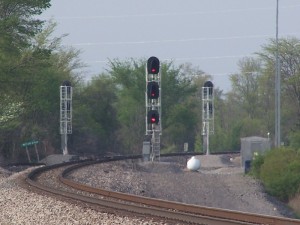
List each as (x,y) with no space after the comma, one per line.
(109,110)
(279,171)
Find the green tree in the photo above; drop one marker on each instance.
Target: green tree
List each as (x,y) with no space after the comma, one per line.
(18,21)
(95,120)
(250,103)
(129,78)
(179,104)
(30,77)
(45,65)
(224,114)
(289,56)
(246,84)
(181,125)
(18,25)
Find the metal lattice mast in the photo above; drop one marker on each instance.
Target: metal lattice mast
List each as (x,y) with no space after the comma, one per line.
(207,113)
(153,105)
(66,93)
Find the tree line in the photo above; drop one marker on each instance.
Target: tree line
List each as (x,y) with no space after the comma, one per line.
(109,110)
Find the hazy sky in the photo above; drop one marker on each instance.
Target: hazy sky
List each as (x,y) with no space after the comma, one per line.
(211,34)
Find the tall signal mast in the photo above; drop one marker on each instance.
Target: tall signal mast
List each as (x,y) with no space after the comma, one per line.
(207,113)
(153,105)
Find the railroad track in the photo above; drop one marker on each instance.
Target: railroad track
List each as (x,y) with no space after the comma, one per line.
(156,208)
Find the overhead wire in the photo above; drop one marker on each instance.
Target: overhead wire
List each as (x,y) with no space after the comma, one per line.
(171,13)
(177,40)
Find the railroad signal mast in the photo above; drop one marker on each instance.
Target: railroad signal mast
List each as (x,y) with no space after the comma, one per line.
(153,105)
(207,113)
(66,93)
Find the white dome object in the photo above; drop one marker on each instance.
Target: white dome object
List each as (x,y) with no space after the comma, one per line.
(193,164)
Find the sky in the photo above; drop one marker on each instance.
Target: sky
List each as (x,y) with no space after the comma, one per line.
(212,35)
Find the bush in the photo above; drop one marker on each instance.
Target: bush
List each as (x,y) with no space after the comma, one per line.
(169,149)
(256,165)
(294,139)
(280,172)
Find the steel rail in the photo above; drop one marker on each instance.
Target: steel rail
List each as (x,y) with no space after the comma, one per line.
(150,206)
(231,215)
(187,218)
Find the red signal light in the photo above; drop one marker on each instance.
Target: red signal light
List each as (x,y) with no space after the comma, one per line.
(153,117)
(153,65)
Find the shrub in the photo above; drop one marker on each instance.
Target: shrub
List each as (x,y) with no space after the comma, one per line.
(280,172)
(256,164)
(294,139)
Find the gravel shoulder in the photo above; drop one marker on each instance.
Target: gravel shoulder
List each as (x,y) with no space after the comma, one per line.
(18,206)
(219,183)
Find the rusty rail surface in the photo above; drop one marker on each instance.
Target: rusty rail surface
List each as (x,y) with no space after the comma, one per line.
(156,207)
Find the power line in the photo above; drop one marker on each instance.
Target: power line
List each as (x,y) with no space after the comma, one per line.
(170,13)
(185,58)
(177,40)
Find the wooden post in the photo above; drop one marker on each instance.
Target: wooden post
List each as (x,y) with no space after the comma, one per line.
(28,156)
(37,153)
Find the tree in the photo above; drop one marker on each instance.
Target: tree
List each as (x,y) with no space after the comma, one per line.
(18,25)
(246,84)
(30,76)
(95,120)
(129,79)
(18,21)
(180,105)
(179,114)
(43,68)
(224,118)
(242,108)
(289,57)
(181,125)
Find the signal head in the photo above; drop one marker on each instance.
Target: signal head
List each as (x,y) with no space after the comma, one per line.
(153,90)
(153,117)
(153,65)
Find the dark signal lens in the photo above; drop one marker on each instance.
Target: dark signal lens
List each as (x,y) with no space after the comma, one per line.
(153,90)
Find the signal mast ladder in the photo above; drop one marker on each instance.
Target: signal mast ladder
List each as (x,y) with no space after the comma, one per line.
(155,141)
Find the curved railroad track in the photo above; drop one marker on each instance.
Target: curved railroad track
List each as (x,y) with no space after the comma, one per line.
(60,185)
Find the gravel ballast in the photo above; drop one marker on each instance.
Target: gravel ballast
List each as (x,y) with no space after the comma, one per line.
(21,207)
(220,183)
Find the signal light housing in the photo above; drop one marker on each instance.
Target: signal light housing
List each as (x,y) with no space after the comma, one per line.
(153,65)
(153,117)
(208,87)
(152,90)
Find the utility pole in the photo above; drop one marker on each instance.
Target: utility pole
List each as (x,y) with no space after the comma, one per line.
(277,88)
